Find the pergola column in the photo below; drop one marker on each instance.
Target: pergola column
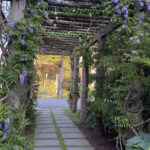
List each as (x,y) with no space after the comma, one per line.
(100,73)
(84,92)
(75,92)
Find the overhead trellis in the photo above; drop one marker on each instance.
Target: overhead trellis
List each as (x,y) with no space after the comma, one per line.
(73,22)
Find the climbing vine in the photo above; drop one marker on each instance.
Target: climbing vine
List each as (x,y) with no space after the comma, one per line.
(24,40)
(123,103)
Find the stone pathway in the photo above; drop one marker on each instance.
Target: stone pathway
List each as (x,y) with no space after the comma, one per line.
(55,131)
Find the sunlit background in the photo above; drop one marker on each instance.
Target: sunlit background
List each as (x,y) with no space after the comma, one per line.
(48,69)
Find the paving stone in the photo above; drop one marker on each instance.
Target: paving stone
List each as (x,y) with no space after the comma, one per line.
(46,142)
(76,142)
(66,125)
(44,122)
(59,117)
(43,119)
(45,135)
(70,130)
(79,148)
(45,130)
(58,113)
(45,126)
(64,115)
(44,116)
(64,121)
(48,148)
(44,112)
(73,135)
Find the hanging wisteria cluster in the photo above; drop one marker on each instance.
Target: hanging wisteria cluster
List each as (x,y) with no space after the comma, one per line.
(124,13)
(22,37)
(5,127)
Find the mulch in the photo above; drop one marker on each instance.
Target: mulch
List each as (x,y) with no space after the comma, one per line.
(97,142)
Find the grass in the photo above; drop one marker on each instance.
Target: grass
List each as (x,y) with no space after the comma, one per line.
(30,131)
(61,140)
(73,116)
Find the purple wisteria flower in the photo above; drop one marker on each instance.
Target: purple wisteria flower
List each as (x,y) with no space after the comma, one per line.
(148,7)
(1,126)
(6,124)
(141,34)
(8,38)
(30,25)
(22,79)
(131,38)
(117,6)
(133,21)
(142,18)
(138,41)
(147,2)
(42,49)
(31,30)
(115,1)
(141,4)
(19,38)
(24,32)
(133,52)
(123,26)
(46,14)
(119,12)
(25,73)
(12,25)
(40,26)
(25,58)
(125,12)
(8,131)
(125,21)
(42,1)
(23,42)
(31,11)
(5,136)
(21,56)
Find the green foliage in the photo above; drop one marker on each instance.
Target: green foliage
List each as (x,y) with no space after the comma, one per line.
(141,142)
(127,69)
(14,140)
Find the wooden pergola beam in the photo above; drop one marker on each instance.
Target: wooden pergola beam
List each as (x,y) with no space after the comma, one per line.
(71,5)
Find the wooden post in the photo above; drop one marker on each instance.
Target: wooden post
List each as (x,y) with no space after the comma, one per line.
(71,85)
(61,79)
(84,92)
(75,85)
(100,72)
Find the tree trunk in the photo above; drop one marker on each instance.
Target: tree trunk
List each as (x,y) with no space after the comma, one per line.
(75,85)
(56,83)
(61,79)
(18,94)
(17,10)
(84,93)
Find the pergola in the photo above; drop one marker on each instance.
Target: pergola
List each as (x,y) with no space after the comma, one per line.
(71,26)
(70,23)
